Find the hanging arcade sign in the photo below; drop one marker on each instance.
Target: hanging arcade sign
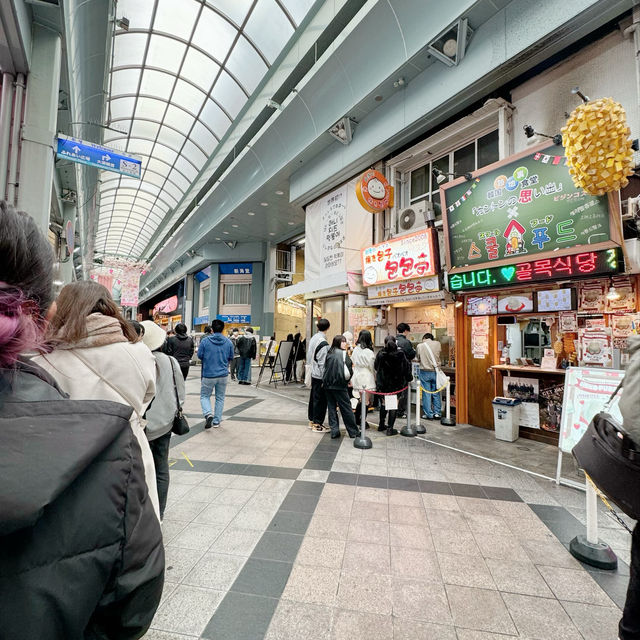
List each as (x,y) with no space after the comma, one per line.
(374,192)
(589,263)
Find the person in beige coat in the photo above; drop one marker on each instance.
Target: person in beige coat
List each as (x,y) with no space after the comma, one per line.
(96,355)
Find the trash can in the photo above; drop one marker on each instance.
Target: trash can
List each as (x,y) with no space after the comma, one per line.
(506,418)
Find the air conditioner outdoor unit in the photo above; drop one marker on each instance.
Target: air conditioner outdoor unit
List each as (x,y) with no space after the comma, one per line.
(414,217)
(284,276)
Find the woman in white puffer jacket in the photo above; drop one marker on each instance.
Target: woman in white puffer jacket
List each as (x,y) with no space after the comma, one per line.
(364,376)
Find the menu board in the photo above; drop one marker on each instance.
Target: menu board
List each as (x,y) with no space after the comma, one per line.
(522,209)
(554,300)
(515,303)
(482,306)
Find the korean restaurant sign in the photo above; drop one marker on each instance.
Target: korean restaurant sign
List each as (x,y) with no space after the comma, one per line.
(588,263)
(401,289)
(523,208)
(404,258)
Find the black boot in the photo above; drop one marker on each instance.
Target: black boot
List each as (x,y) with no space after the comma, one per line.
(392,432)
(382,427)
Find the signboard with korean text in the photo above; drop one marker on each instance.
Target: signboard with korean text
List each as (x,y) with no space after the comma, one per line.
(235,268)
(523,208)
(404,258)
(96,155)
(589,263)
(399,289)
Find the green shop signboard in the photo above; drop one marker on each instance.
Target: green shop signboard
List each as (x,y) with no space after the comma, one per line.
(521,209)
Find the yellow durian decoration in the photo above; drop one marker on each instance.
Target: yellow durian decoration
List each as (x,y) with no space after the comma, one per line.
(598,147)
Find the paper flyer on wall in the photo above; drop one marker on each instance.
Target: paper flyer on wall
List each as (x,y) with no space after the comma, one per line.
(527,389)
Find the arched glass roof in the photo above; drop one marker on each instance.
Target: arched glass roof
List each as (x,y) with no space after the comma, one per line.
(179,76)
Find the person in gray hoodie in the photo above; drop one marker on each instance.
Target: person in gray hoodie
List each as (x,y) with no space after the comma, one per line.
(160,413)
(629,628)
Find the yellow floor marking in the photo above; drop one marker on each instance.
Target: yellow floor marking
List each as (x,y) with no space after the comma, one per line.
(187,459)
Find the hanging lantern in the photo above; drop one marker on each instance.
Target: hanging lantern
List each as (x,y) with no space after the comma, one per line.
(598,147)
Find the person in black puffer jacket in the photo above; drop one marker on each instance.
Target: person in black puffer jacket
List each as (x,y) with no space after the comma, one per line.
(393,372)
(181,347)
(81,553)
(338,370)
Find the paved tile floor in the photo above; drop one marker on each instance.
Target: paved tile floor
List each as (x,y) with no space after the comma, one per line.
(273,531)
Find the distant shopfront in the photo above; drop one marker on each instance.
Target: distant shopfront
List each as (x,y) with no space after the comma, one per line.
(167,308)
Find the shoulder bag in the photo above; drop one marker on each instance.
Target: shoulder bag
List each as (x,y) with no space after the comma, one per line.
(442,379)
(611,459)
(347,373)
(180,425)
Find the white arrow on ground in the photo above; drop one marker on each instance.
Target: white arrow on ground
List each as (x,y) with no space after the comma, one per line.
(76,149)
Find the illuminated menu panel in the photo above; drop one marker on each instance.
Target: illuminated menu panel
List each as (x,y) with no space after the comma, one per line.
(588,263)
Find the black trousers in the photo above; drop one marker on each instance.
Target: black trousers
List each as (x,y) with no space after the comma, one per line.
(391,414)
(160,450)
(402,402)
(629,628)
(185,370)
(339,399)
(317,402)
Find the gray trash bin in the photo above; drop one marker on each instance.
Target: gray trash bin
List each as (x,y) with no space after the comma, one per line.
(506,418)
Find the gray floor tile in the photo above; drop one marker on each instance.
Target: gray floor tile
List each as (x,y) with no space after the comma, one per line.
(474,634)
(237,542)
(442,519)
(217,514)
(306,488)
(196,536)
(465,571)
(357,625)
(371,494)
(518,577)
(410,536)
(342,478)
(334,507)
(156,634)
(452,541)
(215,571)
(313,585)
(278,546)
(550,553)
(368,592)
(187,610)
(250,517)
(178,562)
(321,552)
(574,585)
(326,526)
(184,511)
(233,496)
(540,618)
(420,601)
(506,547)
(415,563)
(481,609)
(171,528)
(370,511)
(303,503)
(379,482)
(201,493)
(594,623)
(406,498)
(440,502)
(435,486)
(405,629)
(364,557)
(262,577)
(241,617)
(401,514)
(368,531)
(300,621)
(285,473)
(290,522)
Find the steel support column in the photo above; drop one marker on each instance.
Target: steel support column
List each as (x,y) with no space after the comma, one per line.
(41,115)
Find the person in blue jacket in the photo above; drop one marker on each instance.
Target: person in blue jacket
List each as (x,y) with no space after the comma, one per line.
(215,352)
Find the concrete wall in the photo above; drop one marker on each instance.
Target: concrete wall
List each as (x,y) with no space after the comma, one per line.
(605,68)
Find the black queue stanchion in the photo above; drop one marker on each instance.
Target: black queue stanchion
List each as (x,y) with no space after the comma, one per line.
(362,441)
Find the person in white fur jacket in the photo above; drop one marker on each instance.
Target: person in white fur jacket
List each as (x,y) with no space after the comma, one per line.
(97,355)
(364,375)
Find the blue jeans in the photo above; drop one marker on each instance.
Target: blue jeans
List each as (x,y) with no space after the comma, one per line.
(244,370)
(209,386)
(431,404)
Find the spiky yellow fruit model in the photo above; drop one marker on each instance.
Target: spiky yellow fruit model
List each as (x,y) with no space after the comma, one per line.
(597,146)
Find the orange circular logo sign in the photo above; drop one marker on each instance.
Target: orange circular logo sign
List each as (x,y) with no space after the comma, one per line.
(374,192)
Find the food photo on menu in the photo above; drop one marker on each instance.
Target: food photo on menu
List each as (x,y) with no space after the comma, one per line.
(515,303)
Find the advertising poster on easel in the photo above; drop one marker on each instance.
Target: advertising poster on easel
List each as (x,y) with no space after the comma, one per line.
(586,390)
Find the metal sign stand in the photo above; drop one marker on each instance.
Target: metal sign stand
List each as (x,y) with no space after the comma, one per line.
(264,362)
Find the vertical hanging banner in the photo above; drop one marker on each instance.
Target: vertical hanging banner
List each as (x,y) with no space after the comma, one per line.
(130,285)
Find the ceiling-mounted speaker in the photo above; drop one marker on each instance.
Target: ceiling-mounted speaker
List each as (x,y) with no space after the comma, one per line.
(450,45)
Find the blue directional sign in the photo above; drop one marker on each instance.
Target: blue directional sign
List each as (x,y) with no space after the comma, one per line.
(98,156)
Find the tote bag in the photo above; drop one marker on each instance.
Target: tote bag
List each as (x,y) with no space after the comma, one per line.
(442,379)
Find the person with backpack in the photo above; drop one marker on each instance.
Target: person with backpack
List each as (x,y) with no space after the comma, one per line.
(181,347)
(338,370)
(164,406)
(393,373)
(429,358)
(81,552)
(404,344)
(316,354)
(247,349)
